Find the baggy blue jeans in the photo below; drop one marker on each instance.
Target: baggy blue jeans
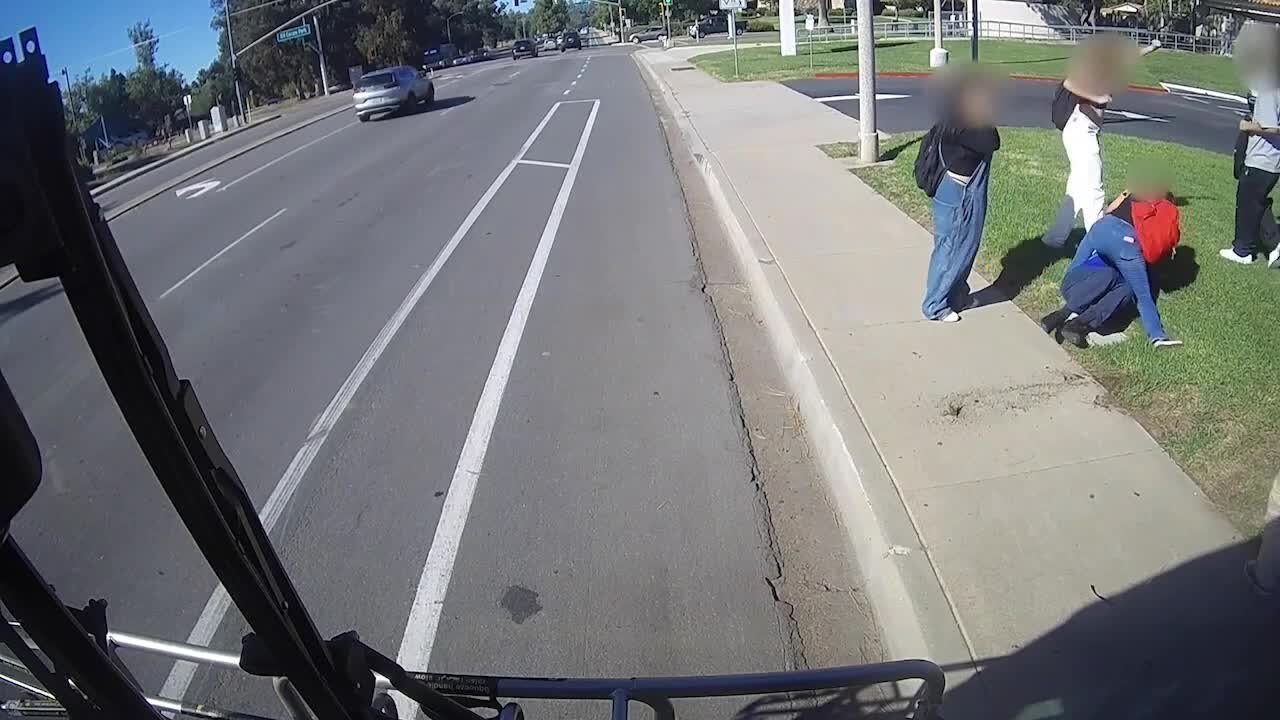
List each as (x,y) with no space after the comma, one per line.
(959,212)
(1116,242)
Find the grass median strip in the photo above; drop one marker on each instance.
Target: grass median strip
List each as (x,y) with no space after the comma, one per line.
(1213,404)
(1007,56)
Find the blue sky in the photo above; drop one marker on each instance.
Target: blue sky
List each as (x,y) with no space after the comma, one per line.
(91,33)
(80,33)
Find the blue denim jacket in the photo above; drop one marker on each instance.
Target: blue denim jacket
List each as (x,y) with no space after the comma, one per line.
(1116,242)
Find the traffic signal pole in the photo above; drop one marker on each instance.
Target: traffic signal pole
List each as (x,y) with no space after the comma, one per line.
(235,76)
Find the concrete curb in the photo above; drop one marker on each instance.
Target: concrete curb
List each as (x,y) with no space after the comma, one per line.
(8,274)
(912,609)
(1191,90)
(117,182)
(165,187)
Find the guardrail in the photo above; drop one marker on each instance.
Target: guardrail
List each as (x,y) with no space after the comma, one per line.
(960,28)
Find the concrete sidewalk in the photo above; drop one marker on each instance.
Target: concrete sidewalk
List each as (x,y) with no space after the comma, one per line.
(1006,518)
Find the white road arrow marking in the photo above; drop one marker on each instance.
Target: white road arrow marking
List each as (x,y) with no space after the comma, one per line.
(198,189)
(1135,116)
(879,96)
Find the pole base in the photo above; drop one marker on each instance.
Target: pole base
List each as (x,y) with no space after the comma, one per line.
(938,57)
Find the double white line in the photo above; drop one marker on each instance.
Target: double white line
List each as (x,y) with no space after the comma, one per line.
(424,617)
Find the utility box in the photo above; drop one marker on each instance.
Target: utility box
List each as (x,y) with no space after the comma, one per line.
(203,129)
(218,117)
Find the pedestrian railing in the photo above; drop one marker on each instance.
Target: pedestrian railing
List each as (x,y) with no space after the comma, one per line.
(957,27)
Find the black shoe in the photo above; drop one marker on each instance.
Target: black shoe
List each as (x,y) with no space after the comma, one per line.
(1076,333)
(1054,320)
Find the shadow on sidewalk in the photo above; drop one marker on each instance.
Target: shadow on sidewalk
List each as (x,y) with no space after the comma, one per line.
(1021,266)
(1192,643)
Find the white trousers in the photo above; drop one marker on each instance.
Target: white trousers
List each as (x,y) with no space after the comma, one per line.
(1085,196)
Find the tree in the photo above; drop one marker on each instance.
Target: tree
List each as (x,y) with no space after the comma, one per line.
(144,43)
(550,16)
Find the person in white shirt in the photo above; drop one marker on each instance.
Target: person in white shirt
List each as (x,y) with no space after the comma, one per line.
(1259,53)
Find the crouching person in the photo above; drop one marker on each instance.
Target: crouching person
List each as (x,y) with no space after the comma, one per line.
(1109,271)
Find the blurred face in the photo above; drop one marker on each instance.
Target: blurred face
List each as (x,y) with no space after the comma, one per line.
(977,103)
(1103,63)
(1257,53)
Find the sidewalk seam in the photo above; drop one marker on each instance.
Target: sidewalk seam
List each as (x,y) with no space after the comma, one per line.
(826,417)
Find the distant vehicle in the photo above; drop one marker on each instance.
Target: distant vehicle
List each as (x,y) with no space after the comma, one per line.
(391,89)
(569,41)
(440,57)
(524,48)
(714,25)
(656,32)
(549,44)
(479,55)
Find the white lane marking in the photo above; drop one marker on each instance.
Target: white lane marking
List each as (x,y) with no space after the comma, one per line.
(512,75)
(197,189)
(180,677)
(1202,101)
(575,82)
(291,153)
(424,617)
(545,163)
(220,253)
(1135,116)
(841,98)
(567,91)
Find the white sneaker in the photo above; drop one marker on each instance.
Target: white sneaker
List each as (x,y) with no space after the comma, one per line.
(1273,258)
(951,317)
(1230,254)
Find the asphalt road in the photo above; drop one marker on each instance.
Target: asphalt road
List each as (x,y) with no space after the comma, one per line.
(462,349)
(905,106)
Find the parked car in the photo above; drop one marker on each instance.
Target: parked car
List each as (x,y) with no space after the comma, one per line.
(391,89)
(714,25)
(656,32)
(441,56)
(569,40)
(524,48)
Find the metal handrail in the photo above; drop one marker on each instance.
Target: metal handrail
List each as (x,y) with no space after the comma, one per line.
(960,27)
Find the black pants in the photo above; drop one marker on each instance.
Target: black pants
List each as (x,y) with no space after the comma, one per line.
(1251,202)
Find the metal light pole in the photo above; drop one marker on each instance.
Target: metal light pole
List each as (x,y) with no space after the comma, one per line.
(231,48)
(973,41)
(868,139)
(448,31)
(324,69)
(938,56)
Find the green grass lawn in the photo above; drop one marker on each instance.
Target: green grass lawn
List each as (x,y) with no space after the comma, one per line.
(1213,404)
(1007,56)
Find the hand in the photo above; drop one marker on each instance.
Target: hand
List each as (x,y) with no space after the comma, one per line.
(1165,343)
(1250,126)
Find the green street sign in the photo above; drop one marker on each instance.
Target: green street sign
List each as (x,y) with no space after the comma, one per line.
(668,2)
(293,33)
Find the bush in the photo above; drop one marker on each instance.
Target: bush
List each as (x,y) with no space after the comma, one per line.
(761,26)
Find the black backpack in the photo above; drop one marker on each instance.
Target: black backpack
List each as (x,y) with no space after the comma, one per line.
(929,164)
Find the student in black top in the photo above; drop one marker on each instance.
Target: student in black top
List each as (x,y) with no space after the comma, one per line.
(968,141)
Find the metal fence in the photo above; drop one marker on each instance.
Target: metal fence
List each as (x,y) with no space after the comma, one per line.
(959,27)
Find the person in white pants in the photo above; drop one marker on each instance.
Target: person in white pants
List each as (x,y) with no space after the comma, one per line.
(1077,111)
(1085,196)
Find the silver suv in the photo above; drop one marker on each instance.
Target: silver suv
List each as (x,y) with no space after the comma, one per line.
(393,88)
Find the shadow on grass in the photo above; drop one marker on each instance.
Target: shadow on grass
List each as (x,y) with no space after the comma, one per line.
(1021,266)
(1029,62)
(893,153)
